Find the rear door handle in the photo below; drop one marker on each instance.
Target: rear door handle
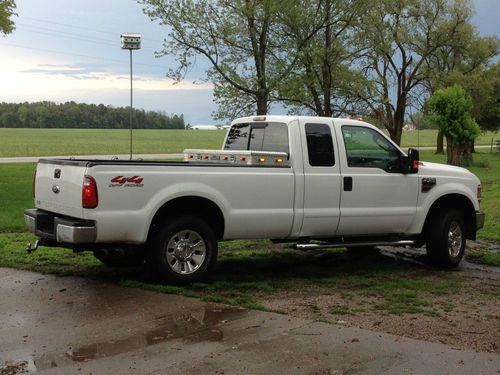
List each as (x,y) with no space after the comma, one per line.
(347,183)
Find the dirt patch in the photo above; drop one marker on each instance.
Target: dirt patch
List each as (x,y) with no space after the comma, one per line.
(467,318)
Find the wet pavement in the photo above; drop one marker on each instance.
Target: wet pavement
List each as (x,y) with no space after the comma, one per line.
(65,325)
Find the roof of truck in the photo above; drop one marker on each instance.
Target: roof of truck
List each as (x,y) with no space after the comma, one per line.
(288,119)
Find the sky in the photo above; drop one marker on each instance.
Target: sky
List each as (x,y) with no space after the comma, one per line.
(66,50)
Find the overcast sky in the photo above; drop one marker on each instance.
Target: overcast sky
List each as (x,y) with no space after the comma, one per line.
(66,50)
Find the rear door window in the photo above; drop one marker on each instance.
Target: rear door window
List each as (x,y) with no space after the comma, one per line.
(319,145)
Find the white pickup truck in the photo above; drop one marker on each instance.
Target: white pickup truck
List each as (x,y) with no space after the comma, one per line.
(318,182)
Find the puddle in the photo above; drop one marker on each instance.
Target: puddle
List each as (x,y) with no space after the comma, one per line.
(203,324)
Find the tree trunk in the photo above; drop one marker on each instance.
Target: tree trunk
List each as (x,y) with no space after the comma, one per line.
(440,143)
(262,106)
(457,154)
(396,133)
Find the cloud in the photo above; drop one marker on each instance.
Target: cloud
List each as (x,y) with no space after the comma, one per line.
(59,78)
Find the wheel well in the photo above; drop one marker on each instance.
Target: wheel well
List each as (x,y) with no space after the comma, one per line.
(198,206)
(457,202)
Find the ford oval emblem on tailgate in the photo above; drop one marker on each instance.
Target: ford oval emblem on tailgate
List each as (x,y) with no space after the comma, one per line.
(56,189)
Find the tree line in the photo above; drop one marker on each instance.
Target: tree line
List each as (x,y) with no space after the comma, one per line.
(378,59)
(81,115)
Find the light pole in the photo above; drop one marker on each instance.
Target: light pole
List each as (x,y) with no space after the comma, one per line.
(130,42)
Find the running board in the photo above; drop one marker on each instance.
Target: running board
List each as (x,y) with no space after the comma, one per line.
(317,246)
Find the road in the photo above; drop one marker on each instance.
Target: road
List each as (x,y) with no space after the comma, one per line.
(61,325)
(34,159)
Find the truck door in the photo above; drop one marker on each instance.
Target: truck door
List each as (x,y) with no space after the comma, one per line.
(321,178)
(377,198)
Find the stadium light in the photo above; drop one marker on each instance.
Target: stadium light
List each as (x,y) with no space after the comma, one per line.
(130,42)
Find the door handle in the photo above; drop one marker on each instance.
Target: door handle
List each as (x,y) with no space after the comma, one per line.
(347,183)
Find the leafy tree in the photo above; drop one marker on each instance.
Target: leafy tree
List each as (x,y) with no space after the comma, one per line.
(466,63)
(400,36)
(243,41)
(323,80)
(234,36)
(451,108)
(7,8)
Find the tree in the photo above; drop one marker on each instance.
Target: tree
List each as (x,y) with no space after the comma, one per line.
(400,36)
(466,63)
(234,36)
(322,80)
(451,108)
(7,8)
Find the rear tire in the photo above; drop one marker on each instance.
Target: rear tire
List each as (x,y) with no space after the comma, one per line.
(445,239)
(184,250)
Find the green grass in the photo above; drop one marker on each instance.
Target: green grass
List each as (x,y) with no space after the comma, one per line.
(47,142)
(486,166)
(15,195)
(485,257)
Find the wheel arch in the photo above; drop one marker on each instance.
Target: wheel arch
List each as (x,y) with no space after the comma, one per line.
(194,205)
(456,201)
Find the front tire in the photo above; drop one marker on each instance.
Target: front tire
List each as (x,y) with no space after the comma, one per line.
(184,250)
(445,239)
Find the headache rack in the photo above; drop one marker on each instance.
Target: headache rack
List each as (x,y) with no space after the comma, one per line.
(237,157)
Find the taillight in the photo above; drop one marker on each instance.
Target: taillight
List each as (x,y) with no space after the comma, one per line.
(33,183)
(89,193)
(479,193)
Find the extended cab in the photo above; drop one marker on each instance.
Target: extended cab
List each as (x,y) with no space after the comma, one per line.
(339,182)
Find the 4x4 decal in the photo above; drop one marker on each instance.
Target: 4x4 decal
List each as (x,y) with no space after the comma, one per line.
(134,181)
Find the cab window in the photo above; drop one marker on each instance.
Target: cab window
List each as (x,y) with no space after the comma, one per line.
(270,136)
(366,148)
(319,145)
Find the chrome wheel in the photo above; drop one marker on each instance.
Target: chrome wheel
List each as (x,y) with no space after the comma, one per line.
(455,239)
(185,252)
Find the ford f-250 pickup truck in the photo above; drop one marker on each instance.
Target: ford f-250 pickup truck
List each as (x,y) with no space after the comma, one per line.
(319,182)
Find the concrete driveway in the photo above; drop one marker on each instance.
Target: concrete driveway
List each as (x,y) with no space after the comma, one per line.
(61,325)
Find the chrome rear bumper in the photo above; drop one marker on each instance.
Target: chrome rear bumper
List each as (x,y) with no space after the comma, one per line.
(64,230)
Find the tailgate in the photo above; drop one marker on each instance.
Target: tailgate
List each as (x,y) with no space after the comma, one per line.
(58,187)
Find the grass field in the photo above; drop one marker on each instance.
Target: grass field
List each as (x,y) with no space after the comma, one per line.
(46,142)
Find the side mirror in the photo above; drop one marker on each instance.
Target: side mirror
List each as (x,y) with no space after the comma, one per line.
(413,160)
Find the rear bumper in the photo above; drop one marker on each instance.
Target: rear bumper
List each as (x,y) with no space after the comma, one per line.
(60,229)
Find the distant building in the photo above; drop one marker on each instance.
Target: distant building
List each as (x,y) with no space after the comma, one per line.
(409,127)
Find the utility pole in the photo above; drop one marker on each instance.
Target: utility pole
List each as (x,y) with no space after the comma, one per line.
(131,42)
